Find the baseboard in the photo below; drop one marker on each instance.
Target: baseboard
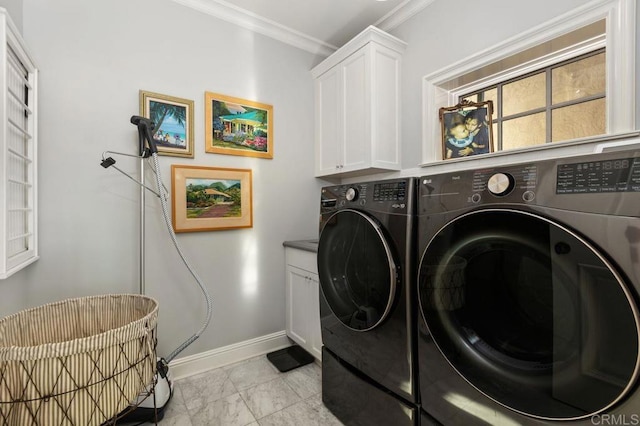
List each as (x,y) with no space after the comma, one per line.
(204,361)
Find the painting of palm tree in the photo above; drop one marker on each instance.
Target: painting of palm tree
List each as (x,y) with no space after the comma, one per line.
(173,120)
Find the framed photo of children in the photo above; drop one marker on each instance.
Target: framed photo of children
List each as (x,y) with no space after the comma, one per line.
(210,198)
(237,126)
(173,119)
(466,129)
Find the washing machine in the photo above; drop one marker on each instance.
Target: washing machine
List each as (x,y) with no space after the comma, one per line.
(366,268)
(528,285)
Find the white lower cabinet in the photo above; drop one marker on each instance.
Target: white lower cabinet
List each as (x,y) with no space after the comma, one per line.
(302,300)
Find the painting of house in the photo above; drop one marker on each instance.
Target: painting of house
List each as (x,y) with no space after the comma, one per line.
(238,127)
(218,197)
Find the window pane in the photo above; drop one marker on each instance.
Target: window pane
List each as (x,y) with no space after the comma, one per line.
(524,95)
(524,131)
(492,95)
(471,98)
(578,121)
(579,79)
(487,95)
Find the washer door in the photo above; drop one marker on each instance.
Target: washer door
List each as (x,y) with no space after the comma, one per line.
(530,314)
(356,270)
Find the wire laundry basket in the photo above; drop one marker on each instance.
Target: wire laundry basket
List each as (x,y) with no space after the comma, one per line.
(76,362)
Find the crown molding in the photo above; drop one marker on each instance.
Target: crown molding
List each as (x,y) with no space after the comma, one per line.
(401,13)
(369,34)
(229,12)
(242,17)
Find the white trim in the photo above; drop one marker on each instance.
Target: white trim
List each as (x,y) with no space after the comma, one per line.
(231,13)
(205,361)
(368,35)
(401,13)
(620,44)
(583,146)
(621,67)
(617,145)
(10,38)
(537,64)
(242,17)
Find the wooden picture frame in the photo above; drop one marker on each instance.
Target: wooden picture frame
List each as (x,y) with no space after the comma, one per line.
(173,119)
(210,198)
(466,129)
(237,126)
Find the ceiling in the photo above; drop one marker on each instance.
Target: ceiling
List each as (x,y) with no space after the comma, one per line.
(331,21)
(320,26)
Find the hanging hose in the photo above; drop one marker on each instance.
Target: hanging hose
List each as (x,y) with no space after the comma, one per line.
(148,149)
(163,201)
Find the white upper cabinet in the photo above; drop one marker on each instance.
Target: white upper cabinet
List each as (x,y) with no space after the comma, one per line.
(18,168)
(357,106)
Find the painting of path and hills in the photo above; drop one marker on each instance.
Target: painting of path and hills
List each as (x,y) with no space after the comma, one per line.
(213,198)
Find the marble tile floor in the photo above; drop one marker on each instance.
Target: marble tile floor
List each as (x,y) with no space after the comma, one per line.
(251,392)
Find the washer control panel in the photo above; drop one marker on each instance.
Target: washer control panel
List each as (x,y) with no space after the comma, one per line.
(615,175)
(593,183)
(500,184)
(351,194)
(389,195)
(482,186)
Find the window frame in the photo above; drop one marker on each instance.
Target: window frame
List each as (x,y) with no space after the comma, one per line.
(618,41)
(19,96)
(549,105)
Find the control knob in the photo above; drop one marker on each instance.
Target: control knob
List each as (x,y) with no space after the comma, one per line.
(500,184)
(351,194)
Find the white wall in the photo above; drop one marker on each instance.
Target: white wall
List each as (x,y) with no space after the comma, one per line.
(94,57)
(14,7)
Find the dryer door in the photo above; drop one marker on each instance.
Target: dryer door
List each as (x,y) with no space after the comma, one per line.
(356,270)
(530,313)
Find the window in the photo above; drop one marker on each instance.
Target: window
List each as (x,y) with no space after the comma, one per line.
(557,103)
(18,197)
(579,64)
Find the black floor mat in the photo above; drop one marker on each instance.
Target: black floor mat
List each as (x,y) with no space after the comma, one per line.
(289,358)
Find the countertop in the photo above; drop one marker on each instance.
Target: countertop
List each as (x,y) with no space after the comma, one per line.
(308,245)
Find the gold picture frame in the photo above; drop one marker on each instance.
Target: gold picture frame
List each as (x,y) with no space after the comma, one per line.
(466,129)
(173,119)
(237,126)
(210,198)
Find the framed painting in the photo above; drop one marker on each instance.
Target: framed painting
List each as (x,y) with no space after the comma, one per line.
(173,119)
(210,198)
(237,126)
(466,129)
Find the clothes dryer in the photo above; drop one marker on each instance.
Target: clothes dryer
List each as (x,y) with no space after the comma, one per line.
(366,268)
(528,292)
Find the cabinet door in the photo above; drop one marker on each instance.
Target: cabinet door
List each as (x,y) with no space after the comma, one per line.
(297,321)
(328,122)
(315,334)
(385,109)
(356,148)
